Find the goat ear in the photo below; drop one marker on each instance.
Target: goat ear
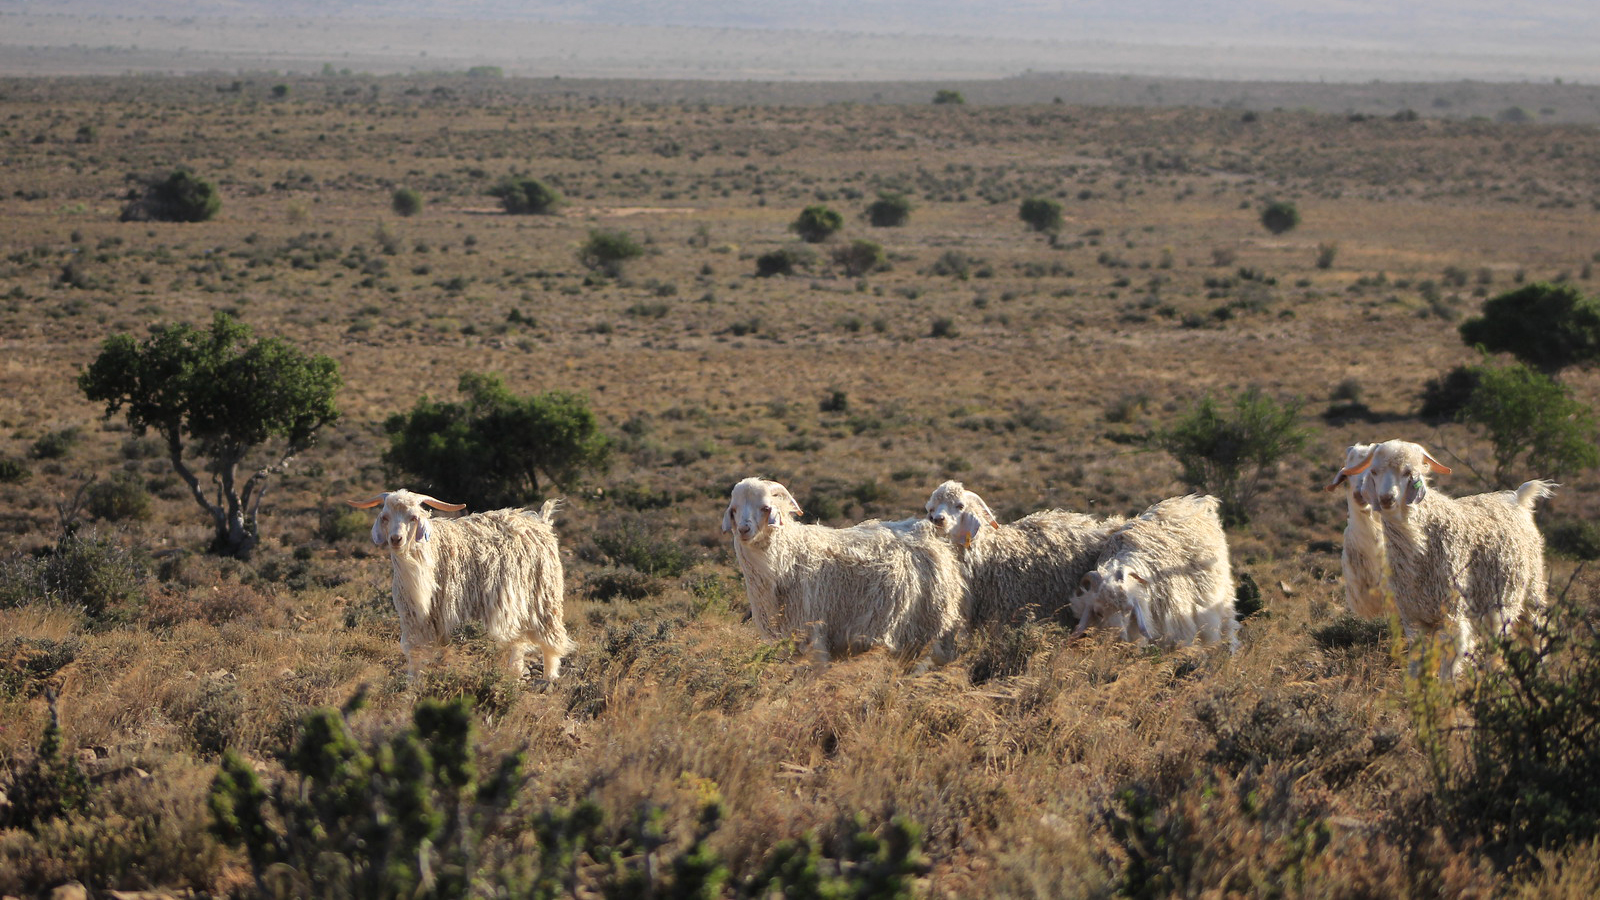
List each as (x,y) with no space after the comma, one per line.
(727,519)
(1360,467)
(377,531)
(1141,612)
(966,527)
(1438,468)
(1416,490)
(782,493)
(983,509)
(424,529)
(1338,479)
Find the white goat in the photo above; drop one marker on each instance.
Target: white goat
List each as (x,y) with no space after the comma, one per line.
(1465,567)
(1362,557)
(1164,577)
(1027,569)
(844,590)
(501,568)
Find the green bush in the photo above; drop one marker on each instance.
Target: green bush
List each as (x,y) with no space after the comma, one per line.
(526,196)
(179,197)
(49,787)
(948,97)
(56,444)
(336,524)
(1444,398)
(1548,326)
(635,544)
(121,497)
(606,250)
(1280,216)
(890,210)
(1230,452)
(13,471)
(1042,214)
(1531,417)
(816,224)
(860,257)
(405,202)
(783,261)
(492,448)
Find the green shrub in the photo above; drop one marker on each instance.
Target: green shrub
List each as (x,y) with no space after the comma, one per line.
(1548,326)
(1229,452)
(890,210)
(56,444)
(606,250)
(493,448)
(121,497)
(50,786)
(860,257)
(816,224)
(13,471)
(636,544)
(526,196)
(1574,539)
(336,524)
(1444,398)
(1534,423)
(1280,216)
(405,202)
(948,97)
(1042,214)
(783,261)
(1326,252)
(179,197)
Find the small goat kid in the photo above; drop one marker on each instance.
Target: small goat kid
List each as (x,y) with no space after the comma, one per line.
(1362,556)
(501,568)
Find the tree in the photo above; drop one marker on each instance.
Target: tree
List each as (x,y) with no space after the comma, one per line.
(606,250)
(1280,216)
(492,449)
(1228,453)
(405,202)
(1041,213)
(816,224)
(1531,416)
(179,197)
(1548,326)
(859,257)
(947,97)
(224,395)
(891,210)
(526,196)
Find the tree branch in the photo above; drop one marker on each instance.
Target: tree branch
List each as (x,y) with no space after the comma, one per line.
(175,452)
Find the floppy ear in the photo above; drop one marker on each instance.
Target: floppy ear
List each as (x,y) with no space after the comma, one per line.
(1360,467)
(377,532)
(983,508)
(727,519)
(424,529)
(1338,479)
(1141,613)
(966,527)
(1416,490)
(782,493)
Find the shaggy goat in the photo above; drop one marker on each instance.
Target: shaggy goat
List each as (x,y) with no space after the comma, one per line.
(844,590)
(501,568)
(1468,567)
(1023,570)
(1164,577)
(1362,557)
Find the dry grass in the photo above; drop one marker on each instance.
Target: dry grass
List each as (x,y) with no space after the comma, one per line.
(1035,768)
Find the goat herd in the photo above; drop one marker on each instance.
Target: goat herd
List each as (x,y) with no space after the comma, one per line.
(1464,569)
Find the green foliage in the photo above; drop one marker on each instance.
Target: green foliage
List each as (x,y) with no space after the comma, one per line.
(228,396)
(1548,326)
(85,572)
(341,523)
(1529,778)
(13,471)
(491,449)
(880,867)
(816,223)
(179,197)
(121,497)
(1042,214)
(948,97)
(1531,416)
(634,543)
(891,210)
(860,257)
(783,261)
(1326,253)
(526,196)
(606,250)
(56,444)
(405,202)
(1444,398)
(50,786)
(1229,452)
(1280,216)
(1574,539)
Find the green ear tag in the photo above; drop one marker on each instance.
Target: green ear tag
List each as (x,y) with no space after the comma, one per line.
(1416,485)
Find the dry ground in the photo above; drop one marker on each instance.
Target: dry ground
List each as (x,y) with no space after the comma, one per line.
(1162,287)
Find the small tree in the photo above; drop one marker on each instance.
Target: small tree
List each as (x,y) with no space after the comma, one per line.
(1548,326)
(606,250)
(947,97)
(1280,216)
(1229,452)
(891,210)
(224,395)
(492,449)
(1042,214)
(859,257)
(179,197)
(405,202)
(816,224)
(526,196)
(1531,416)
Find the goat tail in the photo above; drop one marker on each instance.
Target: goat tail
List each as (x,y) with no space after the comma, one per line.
(1533,491)
(547,512)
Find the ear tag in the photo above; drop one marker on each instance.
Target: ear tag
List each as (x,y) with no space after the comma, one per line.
(1416,487)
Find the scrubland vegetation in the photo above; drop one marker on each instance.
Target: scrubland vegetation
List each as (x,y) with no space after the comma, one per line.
(667,289)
